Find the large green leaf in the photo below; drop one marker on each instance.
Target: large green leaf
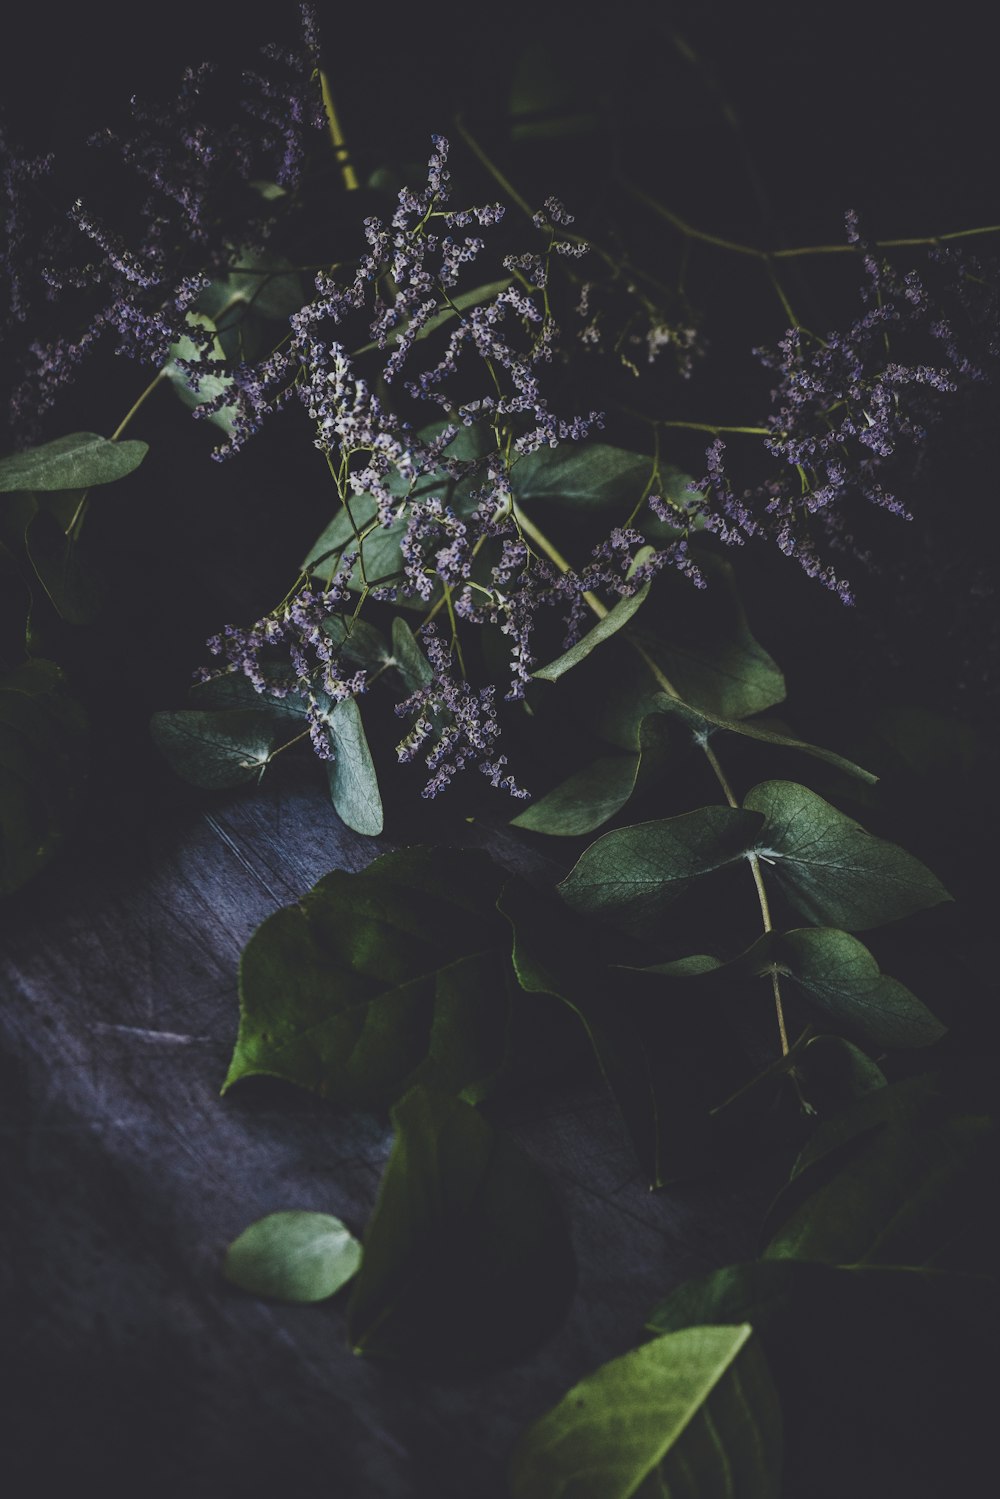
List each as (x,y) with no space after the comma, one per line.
(293,1256)
(217,749)
(830,868)
(81,460)
(631,875)
(897,1178)
(379,980)
(877,1369)
(838,975)
(42,746)
(467,1260)
(691,1415)
(353,782)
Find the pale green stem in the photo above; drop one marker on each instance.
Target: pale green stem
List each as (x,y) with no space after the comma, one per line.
(341,152)
(79,512)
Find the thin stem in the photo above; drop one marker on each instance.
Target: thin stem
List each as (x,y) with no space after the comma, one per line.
(691,231)
(341,152)
(542,541)
(160,374)
(76,520)
(715,427)
(664,682)
(493,169)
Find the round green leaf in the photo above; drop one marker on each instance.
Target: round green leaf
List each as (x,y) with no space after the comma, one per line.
(294,1256)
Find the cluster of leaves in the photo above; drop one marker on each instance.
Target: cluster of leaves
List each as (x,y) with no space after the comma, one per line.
(855,1320)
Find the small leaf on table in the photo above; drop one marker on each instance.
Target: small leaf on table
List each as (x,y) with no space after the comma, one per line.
(293,1256)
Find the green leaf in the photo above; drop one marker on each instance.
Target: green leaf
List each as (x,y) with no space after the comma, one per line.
(467,1260)
(612,622)
(81,460)
(877,1369)
(895,1179)
(295,1256)
(209,386)
(838,975)
(353,782)
(702,724)
(216,750)
(266,283)
(584,801)
(596,476)
(631,875)
(379,980)
(700,640)
(411,663)
(692,1415)
(830,868)
(358,642)
(833,1072)
(74,591)
(42,746)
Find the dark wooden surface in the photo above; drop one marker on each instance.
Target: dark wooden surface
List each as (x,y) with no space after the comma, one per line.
(130,1361)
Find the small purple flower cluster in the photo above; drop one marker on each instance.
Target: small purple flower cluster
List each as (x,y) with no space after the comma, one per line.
(198,177)
(842,408)
(18,173)
(460,722)
(294,633)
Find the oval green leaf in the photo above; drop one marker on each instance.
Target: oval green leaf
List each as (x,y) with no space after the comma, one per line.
(293,1256)
(81,460)
(693,1415)
(351,773)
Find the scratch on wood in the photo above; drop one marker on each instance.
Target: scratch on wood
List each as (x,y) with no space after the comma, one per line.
(220,832)
(141,1033)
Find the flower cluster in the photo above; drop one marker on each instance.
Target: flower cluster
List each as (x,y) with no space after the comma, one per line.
(842,408)
(198,182)
(18,173)
(290,653)
(459,722)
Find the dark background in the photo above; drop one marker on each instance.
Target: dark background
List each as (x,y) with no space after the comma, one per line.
(130,1362)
